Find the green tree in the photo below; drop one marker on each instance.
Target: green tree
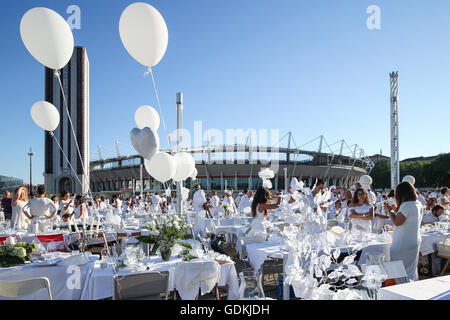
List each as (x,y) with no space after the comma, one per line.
(381,174)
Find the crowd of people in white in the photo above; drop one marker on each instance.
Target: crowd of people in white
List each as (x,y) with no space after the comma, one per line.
(402,210)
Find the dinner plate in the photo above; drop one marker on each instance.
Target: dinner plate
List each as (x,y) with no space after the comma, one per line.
(46,263)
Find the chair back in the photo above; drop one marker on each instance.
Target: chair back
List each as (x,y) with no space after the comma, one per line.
(141,285)
(2,240)
(396,273)
(17,289)
(56,239)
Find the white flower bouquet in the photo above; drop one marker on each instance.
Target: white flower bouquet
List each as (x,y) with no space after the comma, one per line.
(164,232)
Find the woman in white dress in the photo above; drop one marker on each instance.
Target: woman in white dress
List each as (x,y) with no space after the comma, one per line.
(79,209)
(18,218)
(66,204)
(262,203)
(405,216)
(362,212)
(443,199)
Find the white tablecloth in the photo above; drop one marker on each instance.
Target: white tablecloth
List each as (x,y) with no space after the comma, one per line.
(60,278)
(429,241)
(431,289)
(100,284)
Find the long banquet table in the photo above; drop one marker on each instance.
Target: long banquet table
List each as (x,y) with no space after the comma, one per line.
(100,283)
(430,289)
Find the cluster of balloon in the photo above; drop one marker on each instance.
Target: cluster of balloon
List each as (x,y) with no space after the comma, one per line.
(49,39)
(161,166)
(144,34)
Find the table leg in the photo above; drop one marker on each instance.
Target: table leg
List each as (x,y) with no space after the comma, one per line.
(430,265)
(286,291)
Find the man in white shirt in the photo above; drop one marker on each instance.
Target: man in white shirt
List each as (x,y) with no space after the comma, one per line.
(246,201)
(214,204)
(199,201)
(41,206)
(117,204)
(156,203)
(433,216)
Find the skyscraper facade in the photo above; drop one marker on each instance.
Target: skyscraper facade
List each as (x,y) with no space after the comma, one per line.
(58,175)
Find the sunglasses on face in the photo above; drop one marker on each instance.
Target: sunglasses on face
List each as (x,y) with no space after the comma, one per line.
(360,194)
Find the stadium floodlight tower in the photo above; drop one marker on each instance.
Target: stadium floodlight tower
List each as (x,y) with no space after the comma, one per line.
(179,147)
(395,162)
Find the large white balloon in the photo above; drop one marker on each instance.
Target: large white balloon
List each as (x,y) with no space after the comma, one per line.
(45,115)
(145,141)
(47,36)
(161,166)
(409,179)
(194,173)
(144,34)
(185,166)
(365,181)
(147,116)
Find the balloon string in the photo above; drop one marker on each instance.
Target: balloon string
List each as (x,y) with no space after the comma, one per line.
(64,154)
(73,132)
(160,109)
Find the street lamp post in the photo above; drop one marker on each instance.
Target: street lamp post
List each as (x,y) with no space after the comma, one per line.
(31,154)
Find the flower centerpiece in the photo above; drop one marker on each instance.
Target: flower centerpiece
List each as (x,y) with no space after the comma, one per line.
(164,232)
(15,253)
(226,208)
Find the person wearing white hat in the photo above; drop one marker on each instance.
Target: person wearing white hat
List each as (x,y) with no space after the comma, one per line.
(238,198)
(229,199)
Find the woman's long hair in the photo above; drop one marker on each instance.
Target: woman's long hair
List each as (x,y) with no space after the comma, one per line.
(16,194)
(355,196)
(405,191)
(262,195)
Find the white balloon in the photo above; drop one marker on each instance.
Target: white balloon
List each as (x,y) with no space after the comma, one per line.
(184,193)
(185,166)
(144,34)
(145,141)
(365,181)
(147,116)
(194,173)
(161,166)
(47,36)
(45,115)
(409,179)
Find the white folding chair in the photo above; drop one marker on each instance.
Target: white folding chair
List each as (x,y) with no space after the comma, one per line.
(17,289)
(141,286)
(394,269)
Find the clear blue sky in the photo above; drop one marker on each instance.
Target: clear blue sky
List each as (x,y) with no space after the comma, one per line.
(309,66)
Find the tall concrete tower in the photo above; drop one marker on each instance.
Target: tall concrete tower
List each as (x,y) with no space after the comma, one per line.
(395,161)
(75,81)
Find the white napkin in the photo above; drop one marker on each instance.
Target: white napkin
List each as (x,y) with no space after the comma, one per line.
(190,276)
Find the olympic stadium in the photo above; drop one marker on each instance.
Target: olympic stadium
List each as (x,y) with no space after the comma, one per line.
(237,166)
